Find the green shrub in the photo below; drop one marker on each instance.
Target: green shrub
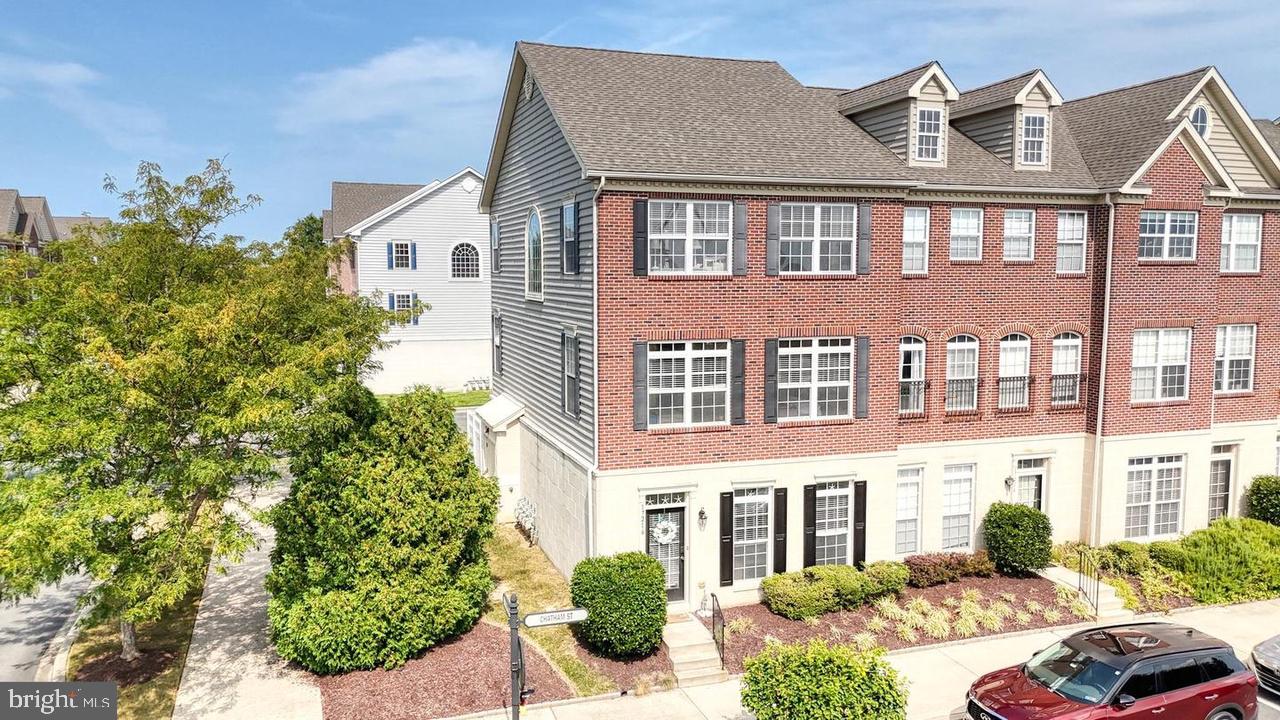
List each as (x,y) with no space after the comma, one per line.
(887,577)
(1262,499)
(932,569)
(852,588)
(1019,538)
(380,545)
(795,596)
(1232,560)
(626,600)
(817,681)
(1124,557)
(1168,554)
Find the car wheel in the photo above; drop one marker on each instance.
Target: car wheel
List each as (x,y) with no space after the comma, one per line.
(1222,715)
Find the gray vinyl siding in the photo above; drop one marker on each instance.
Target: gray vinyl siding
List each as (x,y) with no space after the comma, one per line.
(538,169)
(992,130)
(888,124)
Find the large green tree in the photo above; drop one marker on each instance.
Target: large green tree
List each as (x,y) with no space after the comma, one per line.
(147,370)
(306,233)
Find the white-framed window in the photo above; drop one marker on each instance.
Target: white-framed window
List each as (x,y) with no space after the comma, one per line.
(915,241)
(911,381)
(962,374)
(401,255)
(1200,120)
(1153,496)
(568,234)
(957,506)
(1165,235)
(1233,358)
(464,262)
(1019,235)
(831,523)
(688,383)
(402,303)
(1033,138)
(966,233)
(1221,477)
(817,237)
(1072,225)
(1065,388)
(569,369)
(1028,482)
(815,378)
(906,538)
(928,134)
(690,237)
(1241,242)
(751,533)
(1160,359)
(1015,371)
(533,255)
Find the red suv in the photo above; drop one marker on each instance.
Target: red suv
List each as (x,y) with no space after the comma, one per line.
(1143,671)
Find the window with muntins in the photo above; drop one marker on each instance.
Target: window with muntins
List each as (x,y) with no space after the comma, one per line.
(533,256)
(1200,121)
(928,134)
(400,255)
(1071,239)
(815,378)
(831,523)
(1019,235)
(915,241)
(1241,242)
(403,305)
(1065,385)
(907,525)
(751,533)
(1028,484)
(688,383)
(962,374)
(966,234)
(816,238)
(1220,471)
(1033,138)
(1233,358)
(1015,370)
(1160,360)
(464,262)
(1153,496)
(1166,235)
(957,506)
(495,246)
(689,237)
(911,381)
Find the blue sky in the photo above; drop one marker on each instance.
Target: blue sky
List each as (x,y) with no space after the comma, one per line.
(297,93)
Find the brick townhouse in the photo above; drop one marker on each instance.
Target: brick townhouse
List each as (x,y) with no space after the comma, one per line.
(747,326)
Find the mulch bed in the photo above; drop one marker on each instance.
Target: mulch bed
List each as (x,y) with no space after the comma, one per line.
(624,673)
(840,626)
(110,668)
(467,674)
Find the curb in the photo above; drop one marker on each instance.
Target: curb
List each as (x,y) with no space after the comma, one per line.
(546,705)
(53,663)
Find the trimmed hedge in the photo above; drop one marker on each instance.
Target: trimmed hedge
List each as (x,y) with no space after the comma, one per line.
(626,600)
(1263,499)
(1232,560)
(932,569)
(817,681)
(796,596)
(1019,538)
(826,588)
(887,577)
(850,587)
(1125,557)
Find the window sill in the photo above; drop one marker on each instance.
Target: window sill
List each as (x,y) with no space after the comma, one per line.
(1234,393)
(966,261)
(1023,410)
(1073,273)
(674,277)
(1067,407)
(688,429)
(1018,261)
(915,274)
(1159,403)
(912,417)
(817,276)
(816,422)
(961,415)
(1240,273)
(1166,261)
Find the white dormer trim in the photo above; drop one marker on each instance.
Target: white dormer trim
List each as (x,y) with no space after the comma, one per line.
(1242,120)
(935,71)
(409,199)
(1200,153)
(1055,97)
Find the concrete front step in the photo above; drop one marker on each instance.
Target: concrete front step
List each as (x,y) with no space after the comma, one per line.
(694,658)
(704,676)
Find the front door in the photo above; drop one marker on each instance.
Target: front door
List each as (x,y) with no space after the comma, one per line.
(664,533)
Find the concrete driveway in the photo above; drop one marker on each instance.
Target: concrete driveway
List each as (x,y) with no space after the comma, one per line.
(27,627)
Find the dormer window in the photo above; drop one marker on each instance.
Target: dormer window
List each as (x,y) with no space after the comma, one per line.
(928,133)
(1033,137)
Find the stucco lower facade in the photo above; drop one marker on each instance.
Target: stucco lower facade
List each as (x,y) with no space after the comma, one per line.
(443,364)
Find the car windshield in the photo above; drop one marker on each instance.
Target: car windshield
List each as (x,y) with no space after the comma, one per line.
(1072,673)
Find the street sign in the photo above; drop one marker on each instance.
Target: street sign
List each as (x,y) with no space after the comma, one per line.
(555,617)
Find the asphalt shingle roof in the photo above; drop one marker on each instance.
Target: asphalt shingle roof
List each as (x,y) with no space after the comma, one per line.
(881,89)
(63,225)
(352,202)
(996,92)
(8,208)
(1270,132)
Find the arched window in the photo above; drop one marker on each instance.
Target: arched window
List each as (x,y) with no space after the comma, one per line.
(464,262)
(533,256)
(1015,371)
(1200,120)
(911,376)
(1066,369)
(962,374)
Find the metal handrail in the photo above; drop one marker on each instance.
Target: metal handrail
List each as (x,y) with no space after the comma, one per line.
(717,627)
(911,398)
(962,396)
(1088,580)
(1065,389)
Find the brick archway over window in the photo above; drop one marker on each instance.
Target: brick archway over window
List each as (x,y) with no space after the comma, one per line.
(962,329)
(1075,327)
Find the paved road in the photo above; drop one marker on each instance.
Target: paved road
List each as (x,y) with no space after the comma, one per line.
(27,627)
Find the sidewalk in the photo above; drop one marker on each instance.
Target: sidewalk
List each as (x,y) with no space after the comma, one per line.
(232,671)
(939,676)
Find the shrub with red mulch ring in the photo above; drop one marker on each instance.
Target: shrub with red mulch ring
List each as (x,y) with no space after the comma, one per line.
(467,674)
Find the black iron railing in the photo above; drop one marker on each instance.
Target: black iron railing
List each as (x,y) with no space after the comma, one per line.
(911,398)
(1088,581)
(1064,389)
(962,396)
(717,626)
(1015,393)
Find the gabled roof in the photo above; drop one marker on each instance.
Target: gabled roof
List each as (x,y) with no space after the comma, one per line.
(420,193)
(901,86)
(1270,131)
(1004,93)
(35,208)
(970,164)
(352,202)
(326,224)
(64,225)
(8,210)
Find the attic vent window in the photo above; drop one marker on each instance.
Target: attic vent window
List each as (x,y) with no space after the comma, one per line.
(528,86)
(928,134)
(1200,121)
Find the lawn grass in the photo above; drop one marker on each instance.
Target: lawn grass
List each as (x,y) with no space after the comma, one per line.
(538,586)
(460,398)
(164,643)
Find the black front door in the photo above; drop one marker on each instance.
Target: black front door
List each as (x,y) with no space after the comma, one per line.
(664,533)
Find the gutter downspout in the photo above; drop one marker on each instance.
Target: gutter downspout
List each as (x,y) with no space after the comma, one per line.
(595,367)
(1095,532)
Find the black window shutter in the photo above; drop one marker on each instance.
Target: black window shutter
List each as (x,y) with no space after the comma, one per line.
(640,385)
(862,353)
(726,538)
(810,525)
(771,381)
(564,371)
(740,237)
(577,238)
(576,389)
(860,522)
(864,238)
(640,237)
(773,232)
(737,385)
(780,530)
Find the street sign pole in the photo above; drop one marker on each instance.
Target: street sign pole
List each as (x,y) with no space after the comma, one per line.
(517,656)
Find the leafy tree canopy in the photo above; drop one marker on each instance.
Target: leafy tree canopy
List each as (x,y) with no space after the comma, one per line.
(307,233)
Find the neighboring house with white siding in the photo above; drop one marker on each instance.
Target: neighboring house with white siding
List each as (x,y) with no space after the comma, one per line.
(419,244)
